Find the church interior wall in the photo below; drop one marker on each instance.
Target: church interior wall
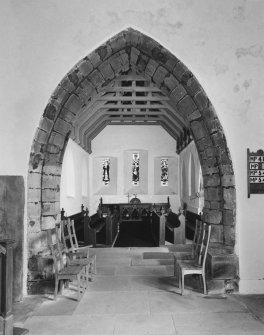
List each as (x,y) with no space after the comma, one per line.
(221,43)
(119,142)
(74,182)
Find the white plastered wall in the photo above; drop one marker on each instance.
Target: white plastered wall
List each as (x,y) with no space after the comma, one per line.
(74,179)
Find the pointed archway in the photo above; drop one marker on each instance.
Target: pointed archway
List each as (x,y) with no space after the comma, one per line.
(129,51)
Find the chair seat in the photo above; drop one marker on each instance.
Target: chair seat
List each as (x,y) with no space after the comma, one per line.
(189,264)
(81,261)
(71,270)
(183,255)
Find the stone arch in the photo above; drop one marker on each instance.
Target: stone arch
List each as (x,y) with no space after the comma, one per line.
(130,50)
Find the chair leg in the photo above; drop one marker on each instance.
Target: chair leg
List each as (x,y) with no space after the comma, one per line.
(90,271)
(204,283)
(94,264)
(86,276)
(175,267)
(56,288)
(79,286)
(182,284)
(179,274)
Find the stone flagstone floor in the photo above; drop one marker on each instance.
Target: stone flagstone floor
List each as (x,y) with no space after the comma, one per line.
(132,296)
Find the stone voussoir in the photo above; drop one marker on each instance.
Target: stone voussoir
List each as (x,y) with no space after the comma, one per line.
(198,129)
(151,67)
(57,140)
(192,86)
(201,100)
(179,70)
(50,195)
(117,43)
(228,217)
(35,162)
(177,94)
(171,82)
(229,235)
(229,198)
(60,95)
(33,194)
(73,104)
(45,124)
(213,193)
(106,71)
(212,180)
(96,78)
(34,180)
(85,67)
(62,127)
(142,62)
(94,58)
(50,208)
(213,216)
(48,222)
(186,106)
(52,169)
(67,85)
(160,75)
(228,180)
(134,53)
(50,181)
(194,116)
(41,136)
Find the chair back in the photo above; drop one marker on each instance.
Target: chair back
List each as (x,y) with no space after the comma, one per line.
(204,244)
(55,247)
(197,239)
(69,235)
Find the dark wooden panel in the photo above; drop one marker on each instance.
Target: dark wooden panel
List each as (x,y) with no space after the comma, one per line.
(12,202)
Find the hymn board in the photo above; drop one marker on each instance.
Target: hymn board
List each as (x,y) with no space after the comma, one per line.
(255,163)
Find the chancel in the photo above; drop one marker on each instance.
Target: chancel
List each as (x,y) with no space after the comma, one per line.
(139,128)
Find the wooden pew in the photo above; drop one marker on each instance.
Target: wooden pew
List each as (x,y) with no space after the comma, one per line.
(93,225)
(87,228)
(190,219)
(175,228)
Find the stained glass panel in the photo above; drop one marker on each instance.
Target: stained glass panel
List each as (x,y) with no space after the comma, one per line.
(135,169)
(106,171)
(164,172)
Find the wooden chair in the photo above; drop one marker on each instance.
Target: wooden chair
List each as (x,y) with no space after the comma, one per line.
(196,266)
(63,272)
(193,251)
(75,254)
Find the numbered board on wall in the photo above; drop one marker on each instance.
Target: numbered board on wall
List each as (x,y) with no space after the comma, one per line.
(255,163)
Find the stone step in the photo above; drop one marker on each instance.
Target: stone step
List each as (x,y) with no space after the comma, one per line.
(151,262)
